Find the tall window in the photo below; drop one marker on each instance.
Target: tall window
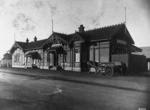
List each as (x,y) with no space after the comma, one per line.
(48,57)
(41,54)
(94,53)
(104,52)
(16,57)
(68,56)
(100,52)
(97,55)
(51,58)
(28,59)
(91,53)
(77,55)
(45,57)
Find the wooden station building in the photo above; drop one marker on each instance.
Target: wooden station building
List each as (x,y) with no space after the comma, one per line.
(72,51)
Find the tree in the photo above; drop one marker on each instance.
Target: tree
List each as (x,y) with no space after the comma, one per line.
(7,56)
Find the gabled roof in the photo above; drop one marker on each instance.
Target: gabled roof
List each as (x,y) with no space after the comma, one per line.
(81,36)
(106,32)
(16,45)
(58,37)
(64,36)
(35,45)
(21,44)
(28,46)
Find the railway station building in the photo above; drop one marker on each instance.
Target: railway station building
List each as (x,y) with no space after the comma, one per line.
(72,51)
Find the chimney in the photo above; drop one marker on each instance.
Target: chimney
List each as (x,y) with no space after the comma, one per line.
(27,40)
(81,29)
(35,39)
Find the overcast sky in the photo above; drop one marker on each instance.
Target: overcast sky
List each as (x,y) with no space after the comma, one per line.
(28,18)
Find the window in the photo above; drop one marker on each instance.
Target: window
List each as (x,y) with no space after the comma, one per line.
(48,57)
(68,56)
(28,59)
(77,55)
(16,57)
(104,54)
(91,53)
(96,55)
(45,57)
(51,58)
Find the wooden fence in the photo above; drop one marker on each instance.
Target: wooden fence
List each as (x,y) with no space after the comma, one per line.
(134,63)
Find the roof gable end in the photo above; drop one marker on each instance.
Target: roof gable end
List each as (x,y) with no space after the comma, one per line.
(16,45)
(58,38)
(77,37)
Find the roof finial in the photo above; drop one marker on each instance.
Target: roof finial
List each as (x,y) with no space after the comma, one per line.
(52,26)
(125,20)
(125,15)
(14,37)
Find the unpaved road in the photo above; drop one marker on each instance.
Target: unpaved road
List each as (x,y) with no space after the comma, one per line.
(33,93)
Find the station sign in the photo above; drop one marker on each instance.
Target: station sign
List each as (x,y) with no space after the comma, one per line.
(121,42)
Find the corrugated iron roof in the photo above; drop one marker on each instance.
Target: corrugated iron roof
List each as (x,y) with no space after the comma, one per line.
(135,48)
(145,51)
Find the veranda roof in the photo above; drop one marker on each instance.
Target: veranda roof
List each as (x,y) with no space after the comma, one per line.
(135,49)
(57,49)
(33,55)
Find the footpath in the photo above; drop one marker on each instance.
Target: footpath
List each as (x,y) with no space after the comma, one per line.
(133,83)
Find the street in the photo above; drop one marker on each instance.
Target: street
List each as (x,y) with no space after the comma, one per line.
(19,92)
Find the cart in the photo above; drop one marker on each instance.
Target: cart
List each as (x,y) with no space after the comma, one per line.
(107,69)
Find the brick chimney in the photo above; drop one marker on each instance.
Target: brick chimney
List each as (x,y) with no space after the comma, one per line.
(81,29)
(35,39)
(27,40)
